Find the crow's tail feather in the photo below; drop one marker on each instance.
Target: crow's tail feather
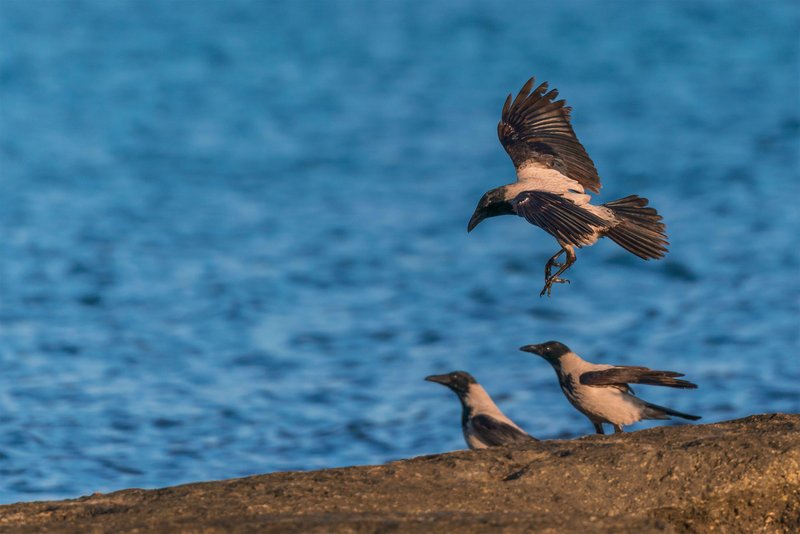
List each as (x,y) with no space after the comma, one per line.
(640,230)
(654,411)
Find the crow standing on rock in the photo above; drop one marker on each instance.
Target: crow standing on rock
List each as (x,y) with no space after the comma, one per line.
(553,174)
(601,392)
(482,422)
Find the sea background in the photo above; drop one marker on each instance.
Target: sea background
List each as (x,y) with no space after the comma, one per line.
(233,234)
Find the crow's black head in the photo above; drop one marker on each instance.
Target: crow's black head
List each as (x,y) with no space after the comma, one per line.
(492,204)
(551,351)
(458,381)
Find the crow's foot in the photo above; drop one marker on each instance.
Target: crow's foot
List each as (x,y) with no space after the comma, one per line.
(548,268)
(548,285)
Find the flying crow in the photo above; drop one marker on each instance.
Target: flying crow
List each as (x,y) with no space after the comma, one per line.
(482,422)
(601,392)
(554,174)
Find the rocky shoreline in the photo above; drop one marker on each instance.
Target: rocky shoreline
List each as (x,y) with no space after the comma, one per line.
(741,475)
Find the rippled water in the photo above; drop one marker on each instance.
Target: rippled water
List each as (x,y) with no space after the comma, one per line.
(233,233)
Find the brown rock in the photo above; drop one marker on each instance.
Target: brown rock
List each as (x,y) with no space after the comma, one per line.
(741,476)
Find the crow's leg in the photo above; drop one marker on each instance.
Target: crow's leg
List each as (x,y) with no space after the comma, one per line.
(552,263)
(618,429)
(598,428)
(554,279)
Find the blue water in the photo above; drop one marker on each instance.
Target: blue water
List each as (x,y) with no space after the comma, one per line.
(234,233)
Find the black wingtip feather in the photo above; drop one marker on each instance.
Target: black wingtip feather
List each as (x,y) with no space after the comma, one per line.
(506,106)
(533,119)
(523,93)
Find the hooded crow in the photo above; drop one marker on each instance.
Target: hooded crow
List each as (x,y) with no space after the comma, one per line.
(554,173)
(601,392)
(482,422)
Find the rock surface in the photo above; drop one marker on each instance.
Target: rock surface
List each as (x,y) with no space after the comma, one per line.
(741,475)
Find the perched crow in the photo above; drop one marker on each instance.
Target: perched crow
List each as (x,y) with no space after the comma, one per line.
(601,392)
(553,174)
(482,422)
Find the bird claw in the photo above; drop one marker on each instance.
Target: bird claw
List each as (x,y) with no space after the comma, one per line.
(549,278)
(548,285)
(548,269)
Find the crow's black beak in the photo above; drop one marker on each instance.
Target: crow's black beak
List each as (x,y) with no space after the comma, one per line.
(533,349)
(475,220)
(439,379)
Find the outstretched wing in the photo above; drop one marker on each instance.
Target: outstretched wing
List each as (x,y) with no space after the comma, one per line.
(619,375)
(495,433)
(559,217)
(535,128)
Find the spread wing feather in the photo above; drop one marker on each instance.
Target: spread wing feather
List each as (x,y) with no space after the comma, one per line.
(558,216)
(616,376)
(534,128)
